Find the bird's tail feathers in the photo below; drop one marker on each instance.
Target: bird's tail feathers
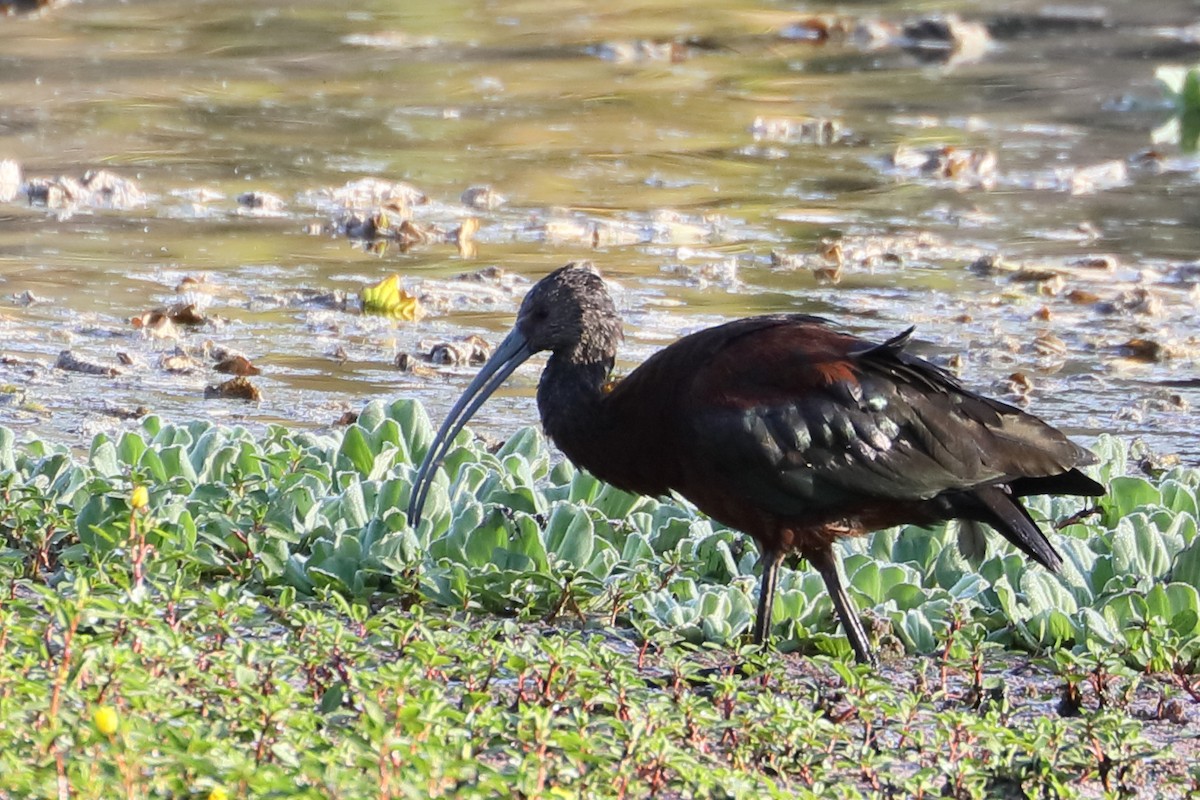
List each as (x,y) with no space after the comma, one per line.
(1004,512)
(1071,482)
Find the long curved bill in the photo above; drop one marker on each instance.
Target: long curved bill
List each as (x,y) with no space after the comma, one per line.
(509,354)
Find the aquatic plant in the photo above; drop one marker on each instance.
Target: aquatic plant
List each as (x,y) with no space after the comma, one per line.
(198,610)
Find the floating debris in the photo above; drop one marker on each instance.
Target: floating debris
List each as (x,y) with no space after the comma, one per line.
(28,298)
(380,227)
(236,364)
(239,388)
(464,237)
(162,323)
(1086,180)
(469,352)
(391,40)
(57,192)
(408,233)
(358,225)
(1102,262)
(972,167)
(796,130)
(484,198)
(123,412)
(386,297)
(261,203)
(1048,344)
(367,194)
(991,264)
(671,227)
(97,189)
(834,257)
(407,362)
(945,38)
(1147,350)
(186,314)
(11,7)
(12,396)
(336,300)
(642,50)
(179,363)
(1034,275)
(199,194)
(723,273)
(1082,297)
(873,34)
(1019,385)
(110,190)
(818,28)
(495,276)
(347,418)
(1136,301)
(72,363)
(131,360)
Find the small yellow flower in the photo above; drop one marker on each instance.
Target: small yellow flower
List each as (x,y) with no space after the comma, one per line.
(218,793)
(140,499)
(106,720)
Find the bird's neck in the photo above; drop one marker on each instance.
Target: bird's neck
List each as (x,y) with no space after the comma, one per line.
(569,396)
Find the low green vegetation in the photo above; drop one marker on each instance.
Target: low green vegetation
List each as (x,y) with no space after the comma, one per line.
(261,621)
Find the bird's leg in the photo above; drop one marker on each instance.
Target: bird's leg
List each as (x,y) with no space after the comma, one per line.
(823,562)
(770,560)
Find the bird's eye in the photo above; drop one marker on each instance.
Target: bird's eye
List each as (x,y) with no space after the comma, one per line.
(540,314)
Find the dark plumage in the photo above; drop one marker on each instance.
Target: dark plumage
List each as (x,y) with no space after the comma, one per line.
(778,426)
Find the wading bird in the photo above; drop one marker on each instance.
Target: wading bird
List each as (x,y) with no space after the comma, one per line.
(779,426)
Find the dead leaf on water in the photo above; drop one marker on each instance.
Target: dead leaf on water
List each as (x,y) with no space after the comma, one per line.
(387,298)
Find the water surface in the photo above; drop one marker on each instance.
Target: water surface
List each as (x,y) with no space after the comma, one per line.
(651,138)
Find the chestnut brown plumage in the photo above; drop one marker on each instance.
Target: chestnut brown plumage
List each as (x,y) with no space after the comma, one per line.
(779,426)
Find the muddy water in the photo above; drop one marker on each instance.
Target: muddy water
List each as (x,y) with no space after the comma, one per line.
(715,159)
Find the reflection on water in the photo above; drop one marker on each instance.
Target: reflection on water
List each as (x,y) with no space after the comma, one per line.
(715,160)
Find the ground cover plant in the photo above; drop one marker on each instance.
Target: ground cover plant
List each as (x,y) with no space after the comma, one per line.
(200,611)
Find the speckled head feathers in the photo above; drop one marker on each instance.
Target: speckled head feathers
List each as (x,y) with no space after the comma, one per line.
(571,313)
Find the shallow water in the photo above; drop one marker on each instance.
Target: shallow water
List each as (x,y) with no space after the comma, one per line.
(609,144)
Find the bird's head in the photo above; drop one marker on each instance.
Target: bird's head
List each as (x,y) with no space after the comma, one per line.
(570,312)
